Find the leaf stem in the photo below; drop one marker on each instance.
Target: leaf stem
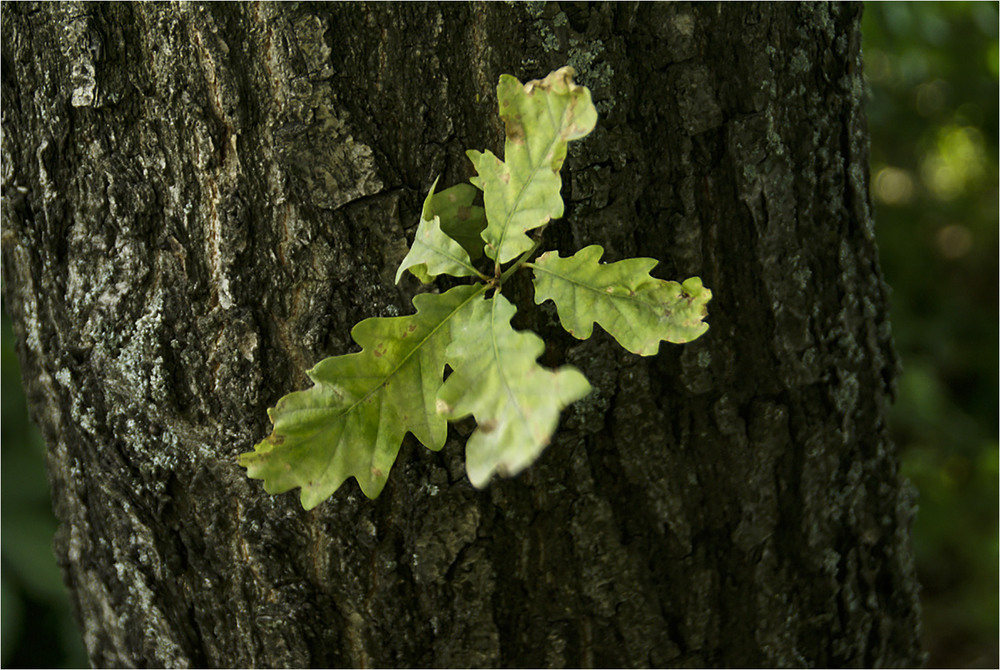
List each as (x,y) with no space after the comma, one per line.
(523,258)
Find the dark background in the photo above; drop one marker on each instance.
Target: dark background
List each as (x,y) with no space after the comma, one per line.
(932,69)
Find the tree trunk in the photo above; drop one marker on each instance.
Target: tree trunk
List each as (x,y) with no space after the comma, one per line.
(200,200)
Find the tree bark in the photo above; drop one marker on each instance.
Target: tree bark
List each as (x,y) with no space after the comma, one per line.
(200,200)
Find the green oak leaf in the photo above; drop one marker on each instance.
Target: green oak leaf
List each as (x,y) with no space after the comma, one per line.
(636,309)
(522,193)
(460,219)
(434,252)
(496,378)
(351,423)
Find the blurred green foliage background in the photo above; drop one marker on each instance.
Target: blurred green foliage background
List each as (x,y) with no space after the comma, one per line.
(932,70)
(36,627)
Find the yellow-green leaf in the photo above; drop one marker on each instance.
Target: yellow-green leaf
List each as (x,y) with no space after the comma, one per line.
(496,378)
(521,192)
(351,423)
(636,309)
(434,252)
(460,219)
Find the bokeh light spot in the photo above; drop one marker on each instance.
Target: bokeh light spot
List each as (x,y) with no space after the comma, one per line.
(954,241)
(957,162)
(893,186)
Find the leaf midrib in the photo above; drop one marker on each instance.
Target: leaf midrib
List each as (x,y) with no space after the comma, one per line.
(501,368)
(444,252)
(524,187)
(599,290)
(382,380)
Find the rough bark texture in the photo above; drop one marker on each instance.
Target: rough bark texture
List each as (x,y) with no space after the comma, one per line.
(201,200)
